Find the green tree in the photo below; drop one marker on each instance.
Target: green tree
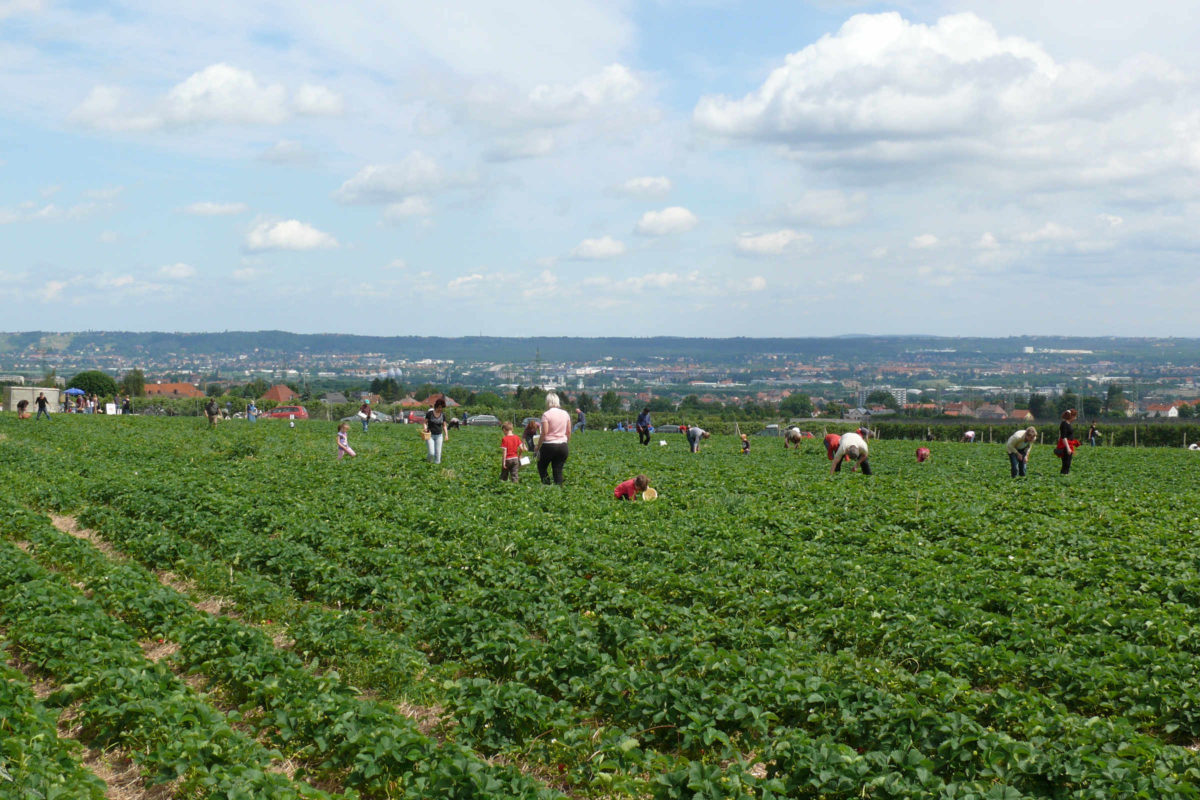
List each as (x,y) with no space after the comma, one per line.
(834,410)
(1067,399)
(882,397)
(50,378)
(1090,406)
(389,389)
(797,404)
(214,390)
(690,403)
(660,404)
(1114,400)
(585,402)
(134,383)
(610,403)
(459,394)
(424,390)
(255,388)
(1187,411)
(94,382)
(488,400)
(1039,406)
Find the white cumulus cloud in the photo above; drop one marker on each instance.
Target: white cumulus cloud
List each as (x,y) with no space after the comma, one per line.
(383,183)
(177,272)
(211,209)
(923,242)
(598,249)
(1050,232)
(287,235)
(533,145)
(828,208)
(674,219)
(772,244)
(647,186)
(415,206)
(219,93)
(319,101)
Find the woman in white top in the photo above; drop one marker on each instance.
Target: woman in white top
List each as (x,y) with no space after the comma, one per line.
(556,433)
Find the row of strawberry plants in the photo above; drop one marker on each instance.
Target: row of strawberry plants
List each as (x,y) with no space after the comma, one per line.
(34,761)
(443,553)
(317,719)
(123,699)
(453,618)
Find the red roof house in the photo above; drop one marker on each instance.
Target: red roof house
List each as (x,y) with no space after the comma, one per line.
(172,390)
(280,394)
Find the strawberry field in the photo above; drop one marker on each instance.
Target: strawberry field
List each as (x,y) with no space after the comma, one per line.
(236,614)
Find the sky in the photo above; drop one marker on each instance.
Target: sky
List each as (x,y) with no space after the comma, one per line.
(609,168)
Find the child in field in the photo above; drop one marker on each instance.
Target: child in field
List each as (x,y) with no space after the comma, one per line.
(510,454)
(745,444)
(628,490)
(343,441)
(923,454)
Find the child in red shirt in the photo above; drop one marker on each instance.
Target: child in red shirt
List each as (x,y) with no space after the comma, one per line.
(627,490)
(510,454)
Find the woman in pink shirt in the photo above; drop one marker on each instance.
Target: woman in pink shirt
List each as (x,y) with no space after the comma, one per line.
(556,433)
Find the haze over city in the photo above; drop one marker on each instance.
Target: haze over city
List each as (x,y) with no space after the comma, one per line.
(601,168)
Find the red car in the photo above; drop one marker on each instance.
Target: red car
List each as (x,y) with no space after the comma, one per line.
(286,412)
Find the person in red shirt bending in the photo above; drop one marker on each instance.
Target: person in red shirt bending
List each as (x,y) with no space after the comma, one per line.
(832,442)
(510,454)
(628,490)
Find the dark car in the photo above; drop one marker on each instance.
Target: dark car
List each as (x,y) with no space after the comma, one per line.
(286,412)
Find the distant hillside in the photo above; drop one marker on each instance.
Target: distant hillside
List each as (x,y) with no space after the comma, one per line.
(551,349)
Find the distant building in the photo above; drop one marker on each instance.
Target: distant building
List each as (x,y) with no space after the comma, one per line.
(172,390)
(990,411)
(280,394)
(334,397)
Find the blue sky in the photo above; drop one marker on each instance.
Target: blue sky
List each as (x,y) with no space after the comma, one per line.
(710,168)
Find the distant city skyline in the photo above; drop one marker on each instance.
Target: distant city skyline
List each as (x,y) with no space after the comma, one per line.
(667,167)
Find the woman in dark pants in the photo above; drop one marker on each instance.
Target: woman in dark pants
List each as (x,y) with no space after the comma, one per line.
(552,448)
(1065,434)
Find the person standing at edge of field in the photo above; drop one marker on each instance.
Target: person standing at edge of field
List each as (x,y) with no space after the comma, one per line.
(694,434)
(855,447)
(1018,447)
(364,411)
(510,454)
(552,449)
(643,426)
(252,412)
(1093,434)
(43,406)
(212,412)
(1065,433)
(435,426)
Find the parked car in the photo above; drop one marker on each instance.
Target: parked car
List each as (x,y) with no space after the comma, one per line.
(375,417)
(286,412)
(484,419)
(412,417)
